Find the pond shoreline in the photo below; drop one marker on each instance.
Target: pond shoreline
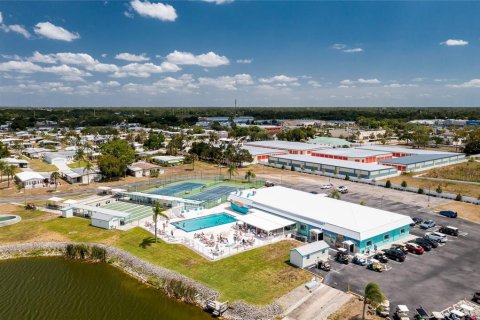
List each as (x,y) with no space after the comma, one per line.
(173,284)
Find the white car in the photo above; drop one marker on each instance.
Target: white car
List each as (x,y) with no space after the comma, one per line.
(436,236)
(327,186)
(342,189)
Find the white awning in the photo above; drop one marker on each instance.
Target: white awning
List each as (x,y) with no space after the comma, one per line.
(70,201)
(104,188)
(118,190)
(348,242)
(316,231)
(264,221)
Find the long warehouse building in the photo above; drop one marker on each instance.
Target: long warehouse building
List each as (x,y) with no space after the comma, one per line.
(321,165)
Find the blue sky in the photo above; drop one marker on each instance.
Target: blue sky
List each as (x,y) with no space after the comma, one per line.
(264,53)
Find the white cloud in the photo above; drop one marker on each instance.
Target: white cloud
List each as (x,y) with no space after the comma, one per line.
(210,59)
(474,83)
(244,61)
(104,55)
(278,79)
(20,67)
(1,17)
(344,48)
(348,82)
(314,84)
(227,82)
(454,42)
(42,58)
(82,59)
(144,70)
(218,1)
(128,14)
(185,83)
(51,31)
(339,46)
(399,85)
(353,50)
(17,29)
(160,11)
(132,57)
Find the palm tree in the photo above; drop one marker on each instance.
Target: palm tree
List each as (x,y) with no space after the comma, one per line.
(334,194)
(10,172)
(87,168)
(250,174)
(55,175)
(3,165)
(158,211)
(193,158)
(373,294)
(232,169)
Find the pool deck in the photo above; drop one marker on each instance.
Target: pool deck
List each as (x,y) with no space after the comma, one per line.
(213,249)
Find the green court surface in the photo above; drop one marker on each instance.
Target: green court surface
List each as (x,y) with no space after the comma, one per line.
(136,211)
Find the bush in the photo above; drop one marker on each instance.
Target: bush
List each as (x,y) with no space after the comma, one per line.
(347,177)
(420,191)
(283,167)
(458,197)
(388,184)
(363,203)
(404,184)
(292,168)
(99,253)
(439,189)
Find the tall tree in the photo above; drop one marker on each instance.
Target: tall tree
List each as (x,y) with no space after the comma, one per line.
(372,295)
(87,168)
(158,211)
(250,174)
(9,170)
(55,176)
(231,170)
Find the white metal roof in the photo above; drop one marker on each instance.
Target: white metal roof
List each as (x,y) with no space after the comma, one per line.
(285,145)
(55,199)
(349,219)
(353,152)
(102,216)
(333,162)
(312,248)
(255,151)
(102,210)
(403,150)
(29,175)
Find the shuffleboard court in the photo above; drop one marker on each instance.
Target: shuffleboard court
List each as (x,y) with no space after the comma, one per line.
(213,194)
(176,188)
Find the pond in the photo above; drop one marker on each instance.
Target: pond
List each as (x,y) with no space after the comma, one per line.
(56,288)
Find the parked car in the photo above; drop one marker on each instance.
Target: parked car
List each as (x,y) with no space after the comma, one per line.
(269,184)
(448,213)
(431,242)
(436,236)
(375,265)
(313,192)
(427,224)
(423,243)
(401,313)
(414,248)
(342,256)
(400,247)
(326,186)
(476,297)
(324,265)
(416,221)
(380,257)
(395,254)
(360,260)
(451,231)
(342,189)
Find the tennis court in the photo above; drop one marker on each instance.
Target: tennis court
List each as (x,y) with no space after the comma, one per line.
(176,188)
(136,211)
(213,194)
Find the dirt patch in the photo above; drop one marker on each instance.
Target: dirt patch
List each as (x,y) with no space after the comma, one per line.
(352,310)
(467,211)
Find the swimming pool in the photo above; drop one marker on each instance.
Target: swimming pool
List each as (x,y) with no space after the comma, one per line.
(209,221)
(6,220)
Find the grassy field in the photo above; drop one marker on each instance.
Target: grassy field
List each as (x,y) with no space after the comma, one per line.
(467,171)
(466,211)
(78,164)
(450,187)
(41,166)
(257,276)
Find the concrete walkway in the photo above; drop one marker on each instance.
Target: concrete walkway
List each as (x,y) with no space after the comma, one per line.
(317,305)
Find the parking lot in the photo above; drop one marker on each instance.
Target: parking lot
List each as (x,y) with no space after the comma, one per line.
(434,280)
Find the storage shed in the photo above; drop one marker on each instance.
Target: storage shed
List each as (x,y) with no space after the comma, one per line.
(309,254)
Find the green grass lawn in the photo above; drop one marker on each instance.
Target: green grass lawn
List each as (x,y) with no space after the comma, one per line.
(257,276)
(41,166)
(467,171)
(78,164)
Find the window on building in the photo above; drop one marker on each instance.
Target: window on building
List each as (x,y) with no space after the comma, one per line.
(386,237)
(369,243)
(402,231)
(303,227)
(308,256)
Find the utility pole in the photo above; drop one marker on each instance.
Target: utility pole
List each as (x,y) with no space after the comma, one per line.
(235,109)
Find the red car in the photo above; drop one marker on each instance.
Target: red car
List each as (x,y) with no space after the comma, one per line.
(414,248)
